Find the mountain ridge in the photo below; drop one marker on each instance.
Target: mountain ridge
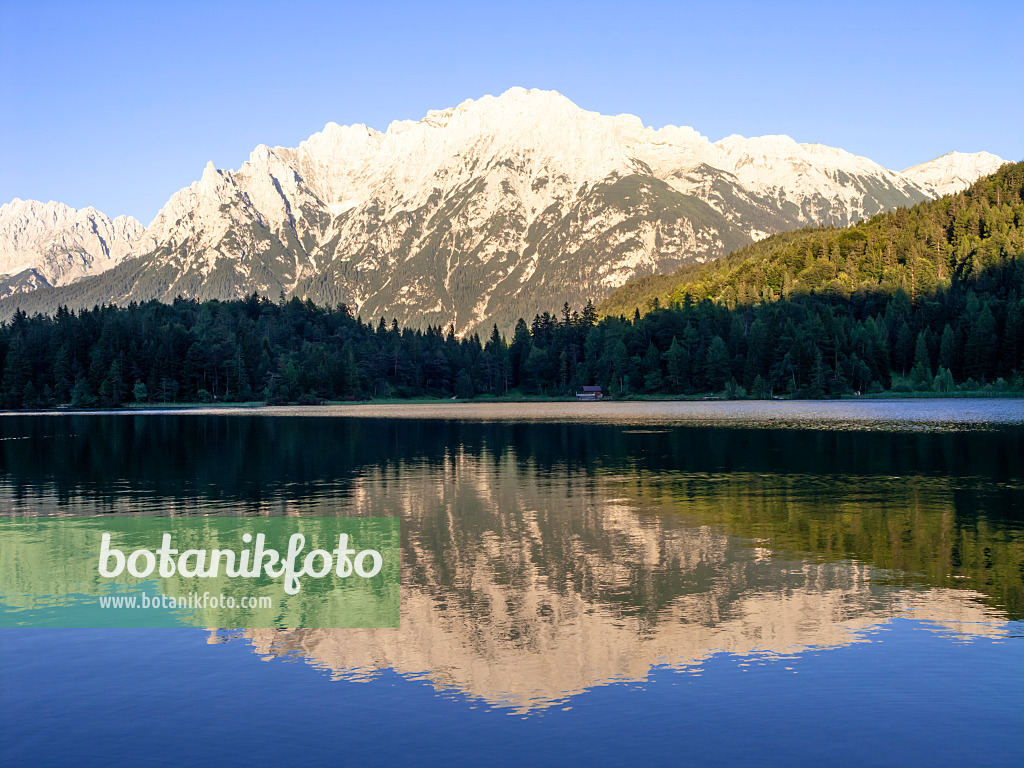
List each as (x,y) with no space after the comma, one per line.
(482,213)
(52,244)
(952,171)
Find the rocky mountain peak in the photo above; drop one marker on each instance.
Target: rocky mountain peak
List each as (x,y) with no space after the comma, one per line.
(60,244)
(953,171)
(500,207)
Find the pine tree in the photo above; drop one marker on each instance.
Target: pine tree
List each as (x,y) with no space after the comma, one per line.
(463,386)
(652,368)
(112,390)
(921,375)
(980,349)
(677,362)
(947,348)
(17,373)
(717,364)
(350,373)
(589,317)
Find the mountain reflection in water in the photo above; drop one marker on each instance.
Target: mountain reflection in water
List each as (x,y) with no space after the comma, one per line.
(522,588)
(544,559)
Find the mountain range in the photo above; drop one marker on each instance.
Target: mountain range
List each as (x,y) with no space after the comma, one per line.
(50,244)
(495,209)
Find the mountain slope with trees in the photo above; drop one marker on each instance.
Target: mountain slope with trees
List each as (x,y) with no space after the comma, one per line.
(925,299)
(917,251)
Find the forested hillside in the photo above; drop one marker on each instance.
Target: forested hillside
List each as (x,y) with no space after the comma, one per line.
(925,299)
(919,251)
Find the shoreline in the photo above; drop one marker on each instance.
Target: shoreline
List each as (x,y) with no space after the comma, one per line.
(520,400)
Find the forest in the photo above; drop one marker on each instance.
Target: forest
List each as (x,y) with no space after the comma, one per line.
(920,250)
(921,299)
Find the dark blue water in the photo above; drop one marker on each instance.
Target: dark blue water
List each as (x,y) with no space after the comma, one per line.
(637,589)
(910,696)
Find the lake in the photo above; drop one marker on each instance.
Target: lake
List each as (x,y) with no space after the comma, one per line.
(786,583)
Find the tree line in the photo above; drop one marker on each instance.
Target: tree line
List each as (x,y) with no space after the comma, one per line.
(968,336)
(928,298)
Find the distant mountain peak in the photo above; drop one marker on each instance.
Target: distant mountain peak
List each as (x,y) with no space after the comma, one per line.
(953,171)
(59,244)
(498,207)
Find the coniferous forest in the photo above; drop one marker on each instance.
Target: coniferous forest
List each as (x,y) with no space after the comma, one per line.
(925,299)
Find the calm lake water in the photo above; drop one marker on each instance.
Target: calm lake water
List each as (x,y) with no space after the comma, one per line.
(652,583)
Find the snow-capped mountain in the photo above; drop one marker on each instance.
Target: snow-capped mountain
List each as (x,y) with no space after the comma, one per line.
(495,209)
(45,244)
(952,172)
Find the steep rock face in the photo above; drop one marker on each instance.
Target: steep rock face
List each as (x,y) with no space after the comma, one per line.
(22,282)
(952,172)
(482,213)
(54,244)
(231,233)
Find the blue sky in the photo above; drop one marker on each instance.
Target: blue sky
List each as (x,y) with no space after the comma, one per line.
(118,105)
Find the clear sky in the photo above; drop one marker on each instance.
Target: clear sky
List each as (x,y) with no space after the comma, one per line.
(118,105)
